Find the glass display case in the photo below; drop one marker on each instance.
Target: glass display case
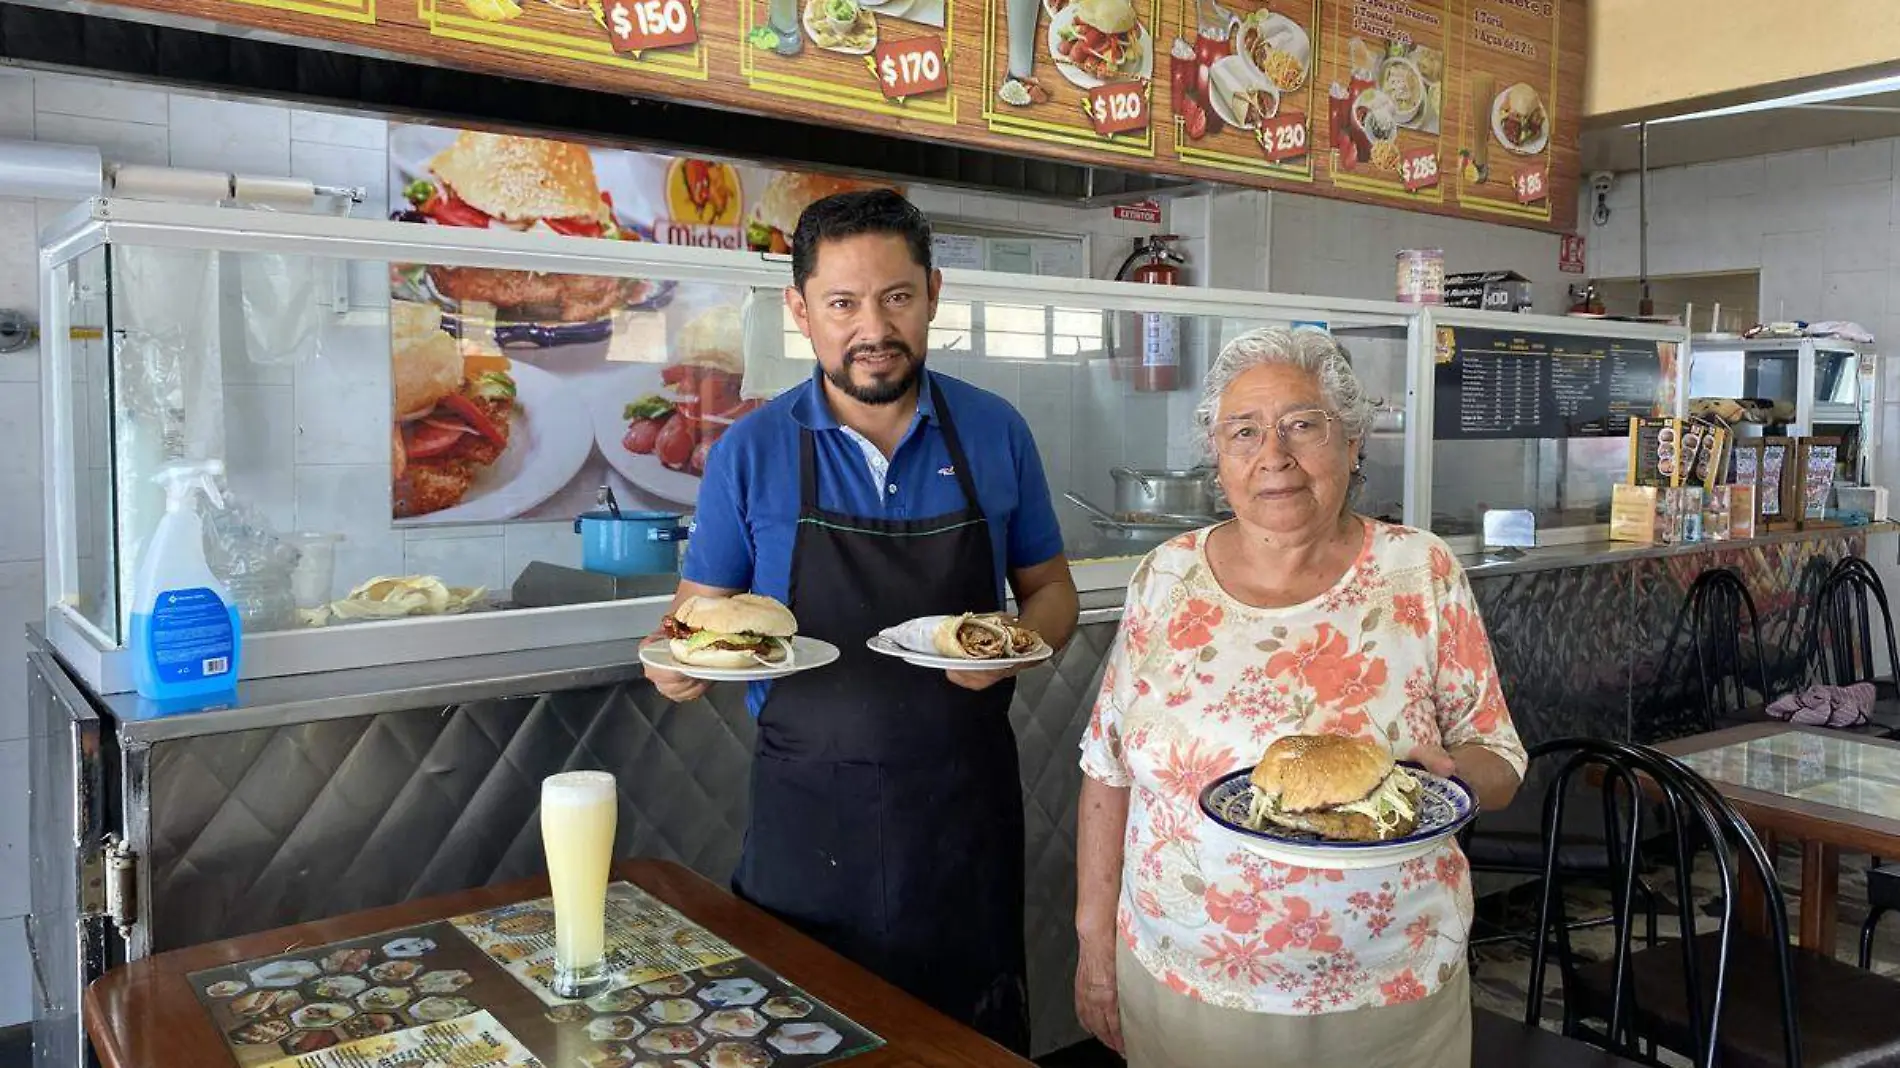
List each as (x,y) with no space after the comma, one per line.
(1532,413)
(432,407)
(1800,386)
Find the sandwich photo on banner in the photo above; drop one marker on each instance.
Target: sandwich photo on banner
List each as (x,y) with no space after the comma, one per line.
(516,394)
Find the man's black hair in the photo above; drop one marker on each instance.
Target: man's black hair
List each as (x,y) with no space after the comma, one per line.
(842,215)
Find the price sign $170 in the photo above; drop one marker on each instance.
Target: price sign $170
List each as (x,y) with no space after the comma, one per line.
(910,67)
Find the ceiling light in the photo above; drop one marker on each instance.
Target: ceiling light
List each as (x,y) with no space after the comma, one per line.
(1816,96)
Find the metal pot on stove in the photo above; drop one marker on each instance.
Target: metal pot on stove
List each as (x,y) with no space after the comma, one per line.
(1191,492)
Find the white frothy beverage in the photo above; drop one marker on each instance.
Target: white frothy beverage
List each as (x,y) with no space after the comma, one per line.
(578,813)
(1022,16)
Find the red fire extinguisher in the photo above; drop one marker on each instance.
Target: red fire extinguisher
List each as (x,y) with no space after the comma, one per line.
(1147,345)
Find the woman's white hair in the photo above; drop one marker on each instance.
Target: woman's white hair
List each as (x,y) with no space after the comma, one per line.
(1310,350)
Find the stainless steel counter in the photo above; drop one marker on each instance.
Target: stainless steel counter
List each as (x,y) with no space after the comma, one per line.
(1593,553)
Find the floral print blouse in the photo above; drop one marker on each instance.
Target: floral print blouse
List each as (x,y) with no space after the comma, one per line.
(1198,684)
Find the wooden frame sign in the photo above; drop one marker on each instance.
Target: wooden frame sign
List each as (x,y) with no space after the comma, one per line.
(1467,108)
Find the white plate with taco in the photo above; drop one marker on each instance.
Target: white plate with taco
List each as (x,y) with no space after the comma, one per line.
(970,642)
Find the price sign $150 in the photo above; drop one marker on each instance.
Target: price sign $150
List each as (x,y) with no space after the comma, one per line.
(637,25)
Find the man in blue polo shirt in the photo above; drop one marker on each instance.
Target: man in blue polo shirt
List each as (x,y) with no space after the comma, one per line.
(887,812)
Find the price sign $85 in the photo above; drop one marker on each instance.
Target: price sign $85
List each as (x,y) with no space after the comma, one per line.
(1118,108)
(637,25)
(1532,185)
(910,67)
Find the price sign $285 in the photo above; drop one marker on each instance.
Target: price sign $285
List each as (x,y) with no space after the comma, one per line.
(637,25)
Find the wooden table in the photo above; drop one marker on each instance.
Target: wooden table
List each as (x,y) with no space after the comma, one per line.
(145,1015)
(1829,790)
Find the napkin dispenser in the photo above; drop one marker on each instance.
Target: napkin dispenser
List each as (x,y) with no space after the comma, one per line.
(1510,530)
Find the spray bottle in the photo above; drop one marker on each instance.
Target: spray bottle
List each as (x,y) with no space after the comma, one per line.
(185,634)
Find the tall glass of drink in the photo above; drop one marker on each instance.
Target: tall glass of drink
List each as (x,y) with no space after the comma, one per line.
(1023,16)
(578,813)
(782,17)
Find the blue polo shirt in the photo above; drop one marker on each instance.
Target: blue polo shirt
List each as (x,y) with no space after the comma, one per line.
(747,515)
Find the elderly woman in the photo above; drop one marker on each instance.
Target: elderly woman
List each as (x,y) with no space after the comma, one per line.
(1296,617)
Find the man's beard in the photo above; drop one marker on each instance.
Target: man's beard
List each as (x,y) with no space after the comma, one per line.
(882,391)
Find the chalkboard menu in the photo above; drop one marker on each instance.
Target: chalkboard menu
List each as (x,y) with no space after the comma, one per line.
(1503,384)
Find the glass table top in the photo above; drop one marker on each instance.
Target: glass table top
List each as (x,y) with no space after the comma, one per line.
(1841,771)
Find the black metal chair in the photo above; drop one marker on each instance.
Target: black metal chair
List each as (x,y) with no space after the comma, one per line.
(1734,681)
(1883,896)
(1839,646)
(1787,1006)
(1510,842)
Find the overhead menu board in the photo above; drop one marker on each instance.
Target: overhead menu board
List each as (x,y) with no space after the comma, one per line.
(1456,107)
(1504,384)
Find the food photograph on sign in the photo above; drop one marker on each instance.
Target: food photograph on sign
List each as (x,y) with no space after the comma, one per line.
(1510,60)
(1074,71)
(884,56)
(1241,85)
(641,34)
(1386,97)
(518,394)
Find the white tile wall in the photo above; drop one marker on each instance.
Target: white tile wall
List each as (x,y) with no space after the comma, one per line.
(1818,224)
(16,982)
(16,104)
(1340,249)
(224,135)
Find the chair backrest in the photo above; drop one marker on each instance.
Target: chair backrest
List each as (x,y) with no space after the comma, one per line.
(1698,820)
(1725,637)
(1840,640)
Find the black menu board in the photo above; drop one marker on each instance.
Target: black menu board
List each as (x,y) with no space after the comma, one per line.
(1503,384)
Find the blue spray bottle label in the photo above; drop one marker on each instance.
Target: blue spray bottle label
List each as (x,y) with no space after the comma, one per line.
(191,636)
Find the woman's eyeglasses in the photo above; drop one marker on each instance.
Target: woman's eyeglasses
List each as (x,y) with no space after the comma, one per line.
(1300,432)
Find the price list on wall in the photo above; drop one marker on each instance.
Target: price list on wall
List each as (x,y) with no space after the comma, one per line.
(1501,384)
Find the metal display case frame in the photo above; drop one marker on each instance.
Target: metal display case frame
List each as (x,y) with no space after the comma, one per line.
(101,661)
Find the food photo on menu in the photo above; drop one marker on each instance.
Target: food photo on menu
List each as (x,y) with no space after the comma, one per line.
(517,395)
(1504,152)
(1240,69)
(1047,55)
(825,50)
(1386,100)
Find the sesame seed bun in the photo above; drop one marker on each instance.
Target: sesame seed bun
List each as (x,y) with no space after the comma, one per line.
(790,193)
(1315,771)
(520,179)
(745,613)
(1108,16)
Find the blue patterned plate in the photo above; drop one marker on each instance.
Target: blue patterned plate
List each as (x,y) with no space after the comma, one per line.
(1446,805)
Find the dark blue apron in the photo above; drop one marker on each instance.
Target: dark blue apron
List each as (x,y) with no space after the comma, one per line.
(887,814)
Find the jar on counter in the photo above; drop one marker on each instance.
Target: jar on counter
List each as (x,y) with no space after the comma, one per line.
(1421,276)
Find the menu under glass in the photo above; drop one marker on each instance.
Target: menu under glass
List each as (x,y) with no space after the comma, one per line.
(1493,384)
(467,993)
